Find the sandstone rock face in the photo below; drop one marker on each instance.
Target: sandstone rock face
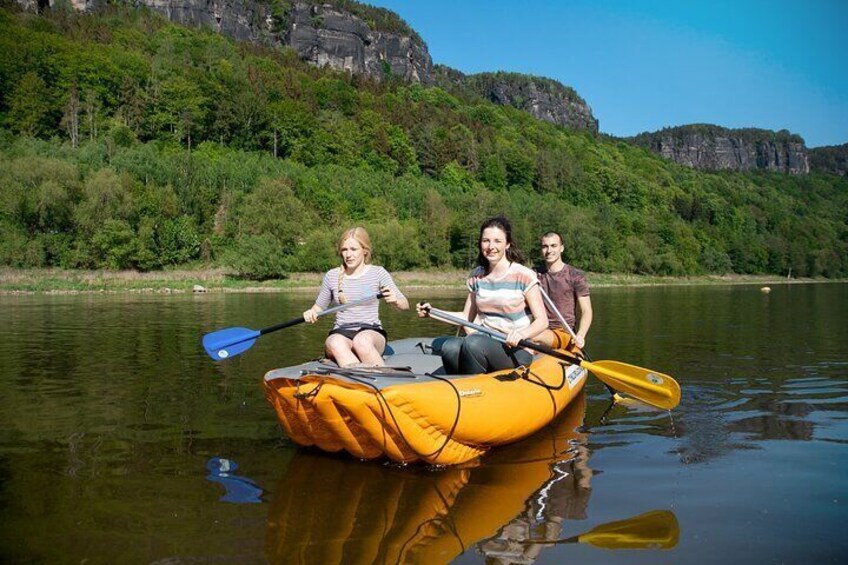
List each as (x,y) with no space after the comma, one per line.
(326,36)
(552,103)
(544,98)
(832,159)
(320,33)
(242,20)
(713,148)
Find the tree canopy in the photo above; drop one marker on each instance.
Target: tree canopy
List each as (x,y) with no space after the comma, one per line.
(130,142)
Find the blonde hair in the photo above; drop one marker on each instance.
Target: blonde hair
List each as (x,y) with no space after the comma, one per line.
(361,237)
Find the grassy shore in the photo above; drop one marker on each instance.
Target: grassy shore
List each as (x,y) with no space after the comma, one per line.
(57,281)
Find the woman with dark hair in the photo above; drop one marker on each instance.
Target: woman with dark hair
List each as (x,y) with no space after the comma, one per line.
(502,295)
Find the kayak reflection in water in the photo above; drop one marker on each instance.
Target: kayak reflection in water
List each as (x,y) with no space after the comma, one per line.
(564,497)
(336,510)
(240,490)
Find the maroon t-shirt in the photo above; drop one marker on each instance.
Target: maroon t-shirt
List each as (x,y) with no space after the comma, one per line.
(564,287)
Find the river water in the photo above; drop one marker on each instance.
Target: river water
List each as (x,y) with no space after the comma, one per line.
(121,441)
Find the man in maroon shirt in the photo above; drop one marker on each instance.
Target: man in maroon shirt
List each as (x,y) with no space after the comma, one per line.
(566,287)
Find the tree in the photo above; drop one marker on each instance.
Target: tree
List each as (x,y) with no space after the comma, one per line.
(92,107)
(70,119)
(270,230)
(106,196)
(435,230)
(29,106)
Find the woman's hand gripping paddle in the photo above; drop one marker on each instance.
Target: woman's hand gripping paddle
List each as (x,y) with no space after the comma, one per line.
(229,342)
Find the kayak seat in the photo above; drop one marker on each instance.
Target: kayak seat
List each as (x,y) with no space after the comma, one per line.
(418,363)
(425,346)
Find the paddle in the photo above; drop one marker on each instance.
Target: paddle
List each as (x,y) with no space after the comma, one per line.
(650,387)
(615,396)
(562,321)
(657,529)
(559,316)
(229,342)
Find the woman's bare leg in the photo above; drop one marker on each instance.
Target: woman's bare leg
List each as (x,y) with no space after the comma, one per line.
(368,346)
(340,349)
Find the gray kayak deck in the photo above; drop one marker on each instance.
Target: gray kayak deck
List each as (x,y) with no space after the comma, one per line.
(408,361)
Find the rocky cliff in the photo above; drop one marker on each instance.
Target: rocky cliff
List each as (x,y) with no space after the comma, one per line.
(713,148)
(544,98)
(340,34)
(242,20)
(361,39)
(331,36)
(831,159)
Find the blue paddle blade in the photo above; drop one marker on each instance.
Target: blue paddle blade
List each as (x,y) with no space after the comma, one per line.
(229,342)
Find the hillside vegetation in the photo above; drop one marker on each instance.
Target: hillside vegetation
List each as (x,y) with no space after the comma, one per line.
(130,142)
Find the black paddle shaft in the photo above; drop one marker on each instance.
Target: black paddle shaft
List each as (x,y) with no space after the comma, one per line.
(282,325)
(301,319)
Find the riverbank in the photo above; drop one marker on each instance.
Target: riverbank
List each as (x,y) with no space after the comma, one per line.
(59,281)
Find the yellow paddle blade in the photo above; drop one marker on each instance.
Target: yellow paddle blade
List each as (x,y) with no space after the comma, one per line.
(657,529)
(651,387)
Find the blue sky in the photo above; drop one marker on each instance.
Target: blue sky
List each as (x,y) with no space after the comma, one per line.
(643,65)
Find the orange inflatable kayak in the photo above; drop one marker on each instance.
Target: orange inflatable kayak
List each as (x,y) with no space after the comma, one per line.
(411,411)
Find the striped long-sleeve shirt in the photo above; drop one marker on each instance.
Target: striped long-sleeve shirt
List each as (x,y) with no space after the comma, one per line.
(367,283)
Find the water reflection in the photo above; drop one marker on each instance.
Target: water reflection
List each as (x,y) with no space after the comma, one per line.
(514,505)
(111,411)
(744,413)
(657,529)
(240,490)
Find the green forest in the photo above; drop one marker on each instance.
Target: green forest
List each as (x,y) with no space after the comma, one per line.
(128,142)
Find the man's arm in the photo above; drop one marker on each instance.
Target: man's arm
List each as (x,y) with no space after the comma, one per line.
(585,303)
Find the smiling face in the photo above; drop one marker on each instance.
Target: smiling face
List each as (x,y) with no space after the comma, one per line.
(551,249)
(353,254)
(493,245)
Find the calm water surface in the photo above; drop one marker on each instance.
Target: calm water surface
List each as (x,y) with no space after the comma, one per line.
(114,426)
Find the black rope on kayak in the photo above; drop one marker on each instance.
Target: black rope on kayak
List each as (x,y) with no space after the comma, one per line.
(540,382)
(304,395)
(449,436)
(367,372)
(384,405)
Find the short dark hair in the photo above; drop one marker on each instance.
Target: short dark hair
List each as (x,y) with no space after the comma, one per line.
(512,253)
(552,234)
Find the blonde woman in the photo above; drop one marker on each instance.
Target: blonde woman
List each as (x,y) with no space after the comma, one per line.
(357,336)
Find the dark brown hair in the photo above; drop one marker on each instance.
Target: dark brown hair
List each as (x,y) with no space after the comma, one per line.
(512,252)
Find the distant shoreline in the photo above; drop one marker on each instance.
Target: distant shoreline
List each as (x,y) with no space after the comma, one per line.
(59,281)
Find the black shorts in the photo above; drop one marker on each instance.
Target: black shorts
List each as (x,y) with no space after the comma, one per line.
(350,332)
